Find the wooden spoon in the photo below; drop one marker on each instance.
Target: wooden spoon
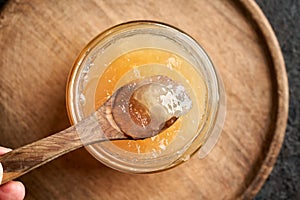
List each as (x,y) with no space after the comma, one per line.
(120,117)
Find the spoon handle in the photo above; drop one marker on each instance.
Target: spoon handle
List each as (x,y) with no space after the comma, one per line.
(98,127)
(24,159)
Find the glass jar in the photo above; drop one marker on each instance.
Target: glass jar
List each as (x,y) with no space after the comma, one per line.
(135,50)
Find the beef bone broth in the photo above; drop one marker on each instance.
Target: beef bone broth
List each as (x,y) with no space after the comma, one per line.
(150,62)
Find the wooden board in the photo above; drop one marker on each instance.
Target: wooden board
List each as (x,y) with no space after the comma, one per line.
(39,41)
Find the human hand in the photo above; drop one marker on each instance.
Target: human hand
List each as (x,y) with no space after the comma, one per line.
(13,190)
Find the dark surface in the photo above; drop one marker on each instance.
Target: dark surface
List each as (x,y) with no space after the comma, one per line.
(2,2)
(284,181)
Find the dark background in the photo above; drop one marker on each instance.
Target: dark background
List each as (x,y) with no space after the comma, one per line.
(284,181)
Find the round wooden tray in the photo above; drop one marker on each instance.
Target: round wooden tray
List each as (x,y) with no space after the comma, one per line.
(39,41)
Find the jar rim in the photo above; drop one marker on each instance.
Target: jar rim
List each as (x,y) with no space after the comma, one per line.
(115,30)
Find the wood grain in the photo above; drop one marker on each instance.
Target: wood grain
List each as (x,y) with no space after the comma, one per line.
(39,41)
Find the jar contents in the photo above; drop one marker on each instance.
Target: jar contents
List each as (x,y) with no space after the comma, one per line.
(156,100)
(163,100)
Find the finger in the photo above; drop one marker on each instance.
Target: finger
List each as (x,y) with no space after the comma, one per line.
(13,190)
(4,150)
